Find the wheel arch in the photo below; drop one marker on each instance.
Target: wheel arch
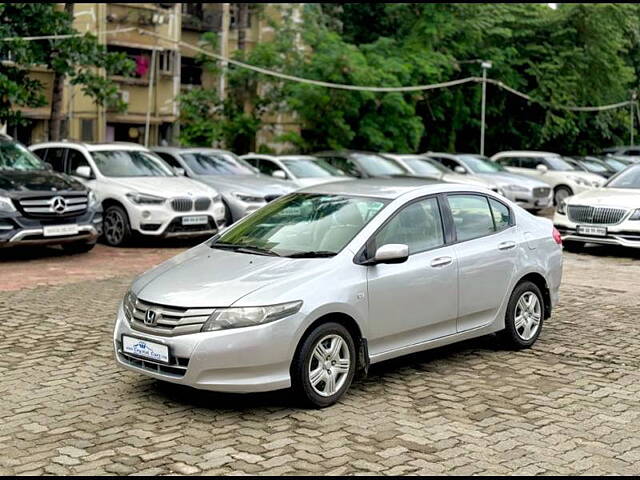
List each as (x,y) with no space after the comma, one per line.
(541,282)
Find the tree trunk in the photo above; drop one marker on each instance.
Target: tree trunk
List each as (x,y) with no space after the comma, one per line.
(57,94)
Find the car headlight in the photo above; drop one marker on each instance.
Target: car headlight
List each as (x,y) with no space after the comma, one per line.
(635,215)
(93,200)
(216,198)
(6,205)
(562,208)
(129,304)
(580,181)
(144,199)
(238,317)
(248,198)
(597,183)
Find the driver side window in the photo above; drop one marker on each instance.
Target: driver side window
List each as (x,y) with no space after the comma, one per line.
(417,225)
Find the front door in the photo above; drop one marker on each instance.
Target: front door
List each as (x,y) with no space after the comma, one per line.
(414,301)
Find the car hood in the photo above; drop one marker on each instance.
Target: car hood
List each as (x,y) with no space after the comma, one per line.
(37,180)
(207,277)
(508,178)
(608,197)
(249,184)
(308,182)
(165,186)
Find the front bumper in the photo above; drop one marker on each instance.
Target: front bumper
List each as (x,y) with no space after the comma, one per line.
(16,229)
(162,221)
(243,360)
(625,234)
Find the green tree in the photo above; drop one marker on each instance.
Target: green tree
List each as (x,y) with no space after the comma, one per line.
(78,59)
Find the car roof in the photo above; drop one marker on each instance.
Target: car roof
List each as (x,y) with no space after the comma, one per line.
(92,147)
(526,153)
(177,150)
(389,188)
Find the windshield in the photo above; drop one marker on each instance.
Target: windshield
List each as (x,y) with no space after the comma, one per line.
(630,178)
(559,164)
(302,224)
(312,168)
(378,166)
(424,166)
(594,166)
(617,165)
(130,163)
(14,156)
(481,164)
(217,163)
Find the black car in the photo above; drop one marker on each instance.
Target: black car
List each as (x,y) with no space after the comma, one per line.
(39,206)
(363,164)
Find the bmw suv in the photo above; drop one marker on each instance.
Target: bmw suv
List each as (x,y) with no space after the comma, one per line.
(139,192)
(39,206)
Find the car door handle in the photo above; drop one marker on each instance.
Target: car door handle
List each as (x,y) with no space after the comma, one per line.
(441,261)
(507,245)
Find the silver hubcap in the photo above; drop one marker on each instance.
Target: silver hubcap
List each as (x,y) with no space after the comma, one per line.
(561,195)
(527,316)
(329,365)
(114,227)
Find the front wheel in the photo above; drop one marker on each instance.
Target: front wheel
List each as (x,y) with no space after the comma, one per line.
(524,317)
(324,365)
(560,194)
(117,230)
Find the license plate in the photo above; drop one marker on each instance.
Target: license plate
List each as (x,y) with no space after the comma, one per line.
(195,220)
(145,349)
(595,231)
(56,230)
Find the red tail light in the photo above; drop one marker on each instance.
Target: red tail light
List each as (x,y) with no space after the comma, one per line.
(556,236)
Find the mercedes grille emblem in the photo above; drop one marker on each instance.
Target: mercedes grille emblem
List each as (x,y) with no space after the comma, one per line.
(58,205)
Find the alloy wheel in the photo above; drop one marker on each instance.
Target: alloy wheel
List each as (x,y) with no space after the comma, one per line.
(528,313)
(114,227)
(329,365)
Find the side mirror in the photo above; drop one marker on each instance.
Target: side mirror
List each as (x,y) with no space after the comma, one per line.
(279,174)
(460,169)
(179,171)
(542,168)
(392,253)
(84,171)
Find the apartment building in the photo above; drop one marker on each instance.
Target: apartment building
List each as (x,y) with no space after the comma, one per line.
(163,69)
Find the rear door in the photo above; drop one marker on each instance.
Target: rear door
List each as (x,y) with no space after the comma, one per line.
(486,249)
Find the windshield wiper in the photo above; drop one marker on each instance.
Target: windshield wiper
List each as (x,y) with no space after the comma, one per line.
(312,254)
(245,249)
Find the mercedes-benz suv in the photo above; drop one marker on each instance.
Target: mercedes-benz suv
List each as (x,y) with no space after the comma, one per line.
(39,206)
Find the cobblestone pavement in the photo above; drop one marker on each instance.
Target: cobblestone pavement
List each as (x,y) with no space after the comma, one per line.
(571,405)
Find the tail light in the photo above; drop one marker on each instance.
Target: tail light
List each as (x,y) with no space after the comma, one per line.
(556,236)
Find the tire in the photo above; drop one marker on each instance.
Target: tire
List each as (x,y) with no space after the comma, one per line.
(78,247)
(116,227)
(324,393)
(520,334)
(560,193)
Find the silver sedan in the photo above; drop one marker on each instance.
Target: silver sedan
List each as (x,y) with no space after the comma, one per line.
(314,287)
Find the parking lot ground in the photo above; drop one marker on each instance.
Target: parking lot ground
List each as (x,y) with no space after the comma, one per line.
(570,405)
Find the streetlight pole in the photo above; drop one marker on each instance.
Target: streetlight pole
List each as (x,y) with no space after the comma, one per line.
(485,66)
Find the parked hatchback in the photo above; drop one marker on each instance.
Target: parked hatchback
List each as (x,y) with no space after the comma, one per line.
(243,188)
(138,191)
(319,284)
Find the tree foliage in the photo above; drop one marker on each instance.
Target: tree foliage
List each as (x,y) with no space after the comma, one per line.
(76,58)
(578,54)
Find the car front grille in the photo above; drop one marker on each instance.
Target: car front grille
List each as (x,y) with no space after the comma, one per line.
(182,204)
(202,203)
(596,215)
(541,192)
(169,321)
(53,206)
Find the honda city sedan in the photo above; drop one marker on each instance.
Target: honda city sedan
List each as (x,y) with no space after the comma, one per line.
(312,288)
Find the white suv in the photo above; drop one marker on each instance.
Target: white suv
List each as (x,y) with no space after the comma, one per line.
(138,191)
(551,168)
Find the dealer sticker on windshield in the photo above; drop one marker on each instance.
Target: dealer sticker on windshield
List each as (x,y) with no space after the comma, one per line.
(145,349)
(595,231)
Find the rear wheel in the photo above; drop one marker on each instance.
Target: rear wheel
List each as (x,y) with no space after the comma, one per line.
(324,366)
(117,231)
(524,316)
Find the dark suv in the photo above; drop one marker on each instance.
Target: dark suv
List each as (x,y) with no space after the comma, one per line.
(39,206)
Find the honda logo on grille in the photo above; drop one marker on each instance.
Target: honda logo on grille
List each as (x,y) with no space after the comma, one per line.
(150,318)
(58,205)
